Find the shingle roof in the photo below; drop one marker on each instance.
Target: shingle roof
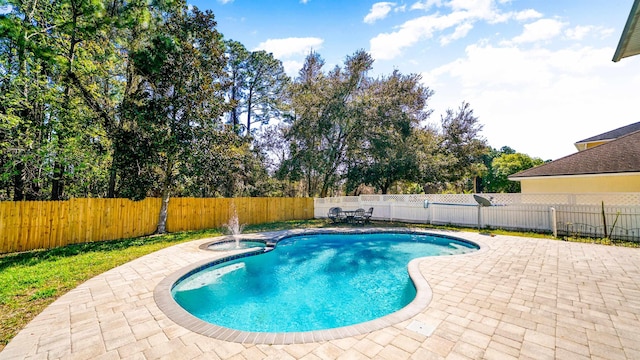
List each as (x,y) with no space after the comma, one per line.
(613,134)
(621,155)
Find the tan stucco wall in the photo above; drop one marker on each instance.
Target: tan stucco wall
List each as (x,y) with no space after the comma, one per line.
(582,184)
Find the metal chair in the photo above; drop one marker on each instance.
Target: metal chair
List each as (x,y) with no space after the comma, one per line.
(335,214)
(367,215)
(359,216)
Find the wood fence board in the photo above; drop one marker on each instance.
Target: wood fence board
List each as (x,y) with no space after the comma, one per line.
(48,224)
(4,229)
(24,224)
(7,228)
(54,227)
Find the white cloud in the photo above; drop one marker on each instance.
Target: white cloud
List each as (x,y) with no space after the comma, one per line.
(462,14)
(543,29)
(291,67)
(425,5)
(537,101)
(478,8)
(526,15)
(304,1)
(460,32)
(284,48)
(578,32)
(225,1)
(378,11)
(389,45)
(581,32)
(523,15)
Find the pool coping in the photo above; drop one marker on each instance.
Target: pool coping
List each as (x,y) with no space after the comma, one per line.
(166,303)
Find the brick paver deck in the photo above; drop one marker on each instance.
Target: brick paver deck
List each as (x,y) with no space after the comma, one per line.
(517,298)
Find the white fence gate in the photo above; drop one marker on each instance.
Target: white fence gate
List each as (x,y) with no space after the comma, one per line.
(561,214)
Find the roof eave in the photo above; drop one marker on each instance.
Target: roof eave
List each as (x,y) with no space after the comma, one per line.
(630,28)
(538,177)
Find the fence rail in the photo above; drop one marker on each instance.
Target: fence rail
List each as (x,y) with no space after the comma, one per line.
(572,214)
(28,225)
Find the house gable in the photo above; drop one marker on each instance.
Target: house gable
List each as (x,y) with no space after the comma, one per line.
(621,155)
(606,137)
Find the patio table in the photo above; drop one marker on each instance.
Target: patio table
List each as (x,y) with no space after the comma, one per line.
(349,215)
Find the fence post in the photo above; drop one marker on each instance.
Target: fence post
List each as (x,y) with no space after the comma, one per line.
(554,222)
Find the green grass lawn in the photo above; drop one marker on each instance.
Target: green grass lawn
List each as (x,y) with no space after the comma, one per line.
(31,281)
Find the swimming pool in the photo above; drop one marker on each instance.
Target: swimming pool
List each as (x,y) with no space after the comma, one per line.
(312,282)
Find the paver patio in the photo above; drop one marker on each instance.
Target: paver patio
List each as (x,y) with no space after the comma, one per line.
(517,298)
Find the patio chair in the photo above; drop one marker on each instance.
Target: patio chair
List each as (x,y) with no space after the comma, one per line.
(367,215)
(359,216)
(335,214)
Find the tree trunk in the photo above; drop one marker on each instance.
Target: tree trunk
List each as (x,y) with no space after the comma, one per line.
(162,218)
(249,112)
(384,188)
(111,190)
(234,94)
(57,183)
(18,183)
(166,190)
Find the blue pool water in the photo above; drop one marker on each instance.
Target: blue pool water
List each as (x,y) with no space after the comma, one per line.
(312,282)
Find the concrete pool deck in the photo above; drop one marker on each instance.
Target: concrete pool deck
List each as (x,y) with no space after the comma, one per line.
(517,298)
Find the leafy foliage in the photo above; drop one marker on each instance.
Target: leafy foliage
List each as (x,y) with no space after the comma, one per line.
(463,147)
(135,99)
(504,163)
(389,149)
(257,84)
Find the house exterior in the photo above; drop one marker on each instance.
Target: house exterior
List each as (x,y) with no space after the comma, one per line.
(609,162)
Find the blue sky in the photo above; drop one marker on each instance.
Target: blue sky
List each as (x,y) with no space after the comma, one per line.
(538,74)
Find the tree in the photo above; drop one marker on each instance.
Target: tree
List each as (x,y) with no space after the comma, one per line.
(226,164)
(488,176)
(113,82)
(328,115)
(266,82)
(302,133)
(182,98)
(26,90)
(509,164)
(388,150)
(236,69)
(58,141)
(257,85)
(463,147)
(430,159)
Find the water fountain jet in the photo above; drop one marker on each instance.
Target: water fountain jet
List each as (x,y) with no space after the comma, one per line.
(234,226)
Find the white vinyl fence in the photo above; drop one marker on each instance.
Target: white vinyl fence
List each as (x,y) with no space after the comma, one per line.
(560,214)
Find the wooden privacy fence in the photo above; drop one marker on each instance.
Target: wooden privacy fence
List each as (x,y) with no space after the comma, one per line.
(28,225)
